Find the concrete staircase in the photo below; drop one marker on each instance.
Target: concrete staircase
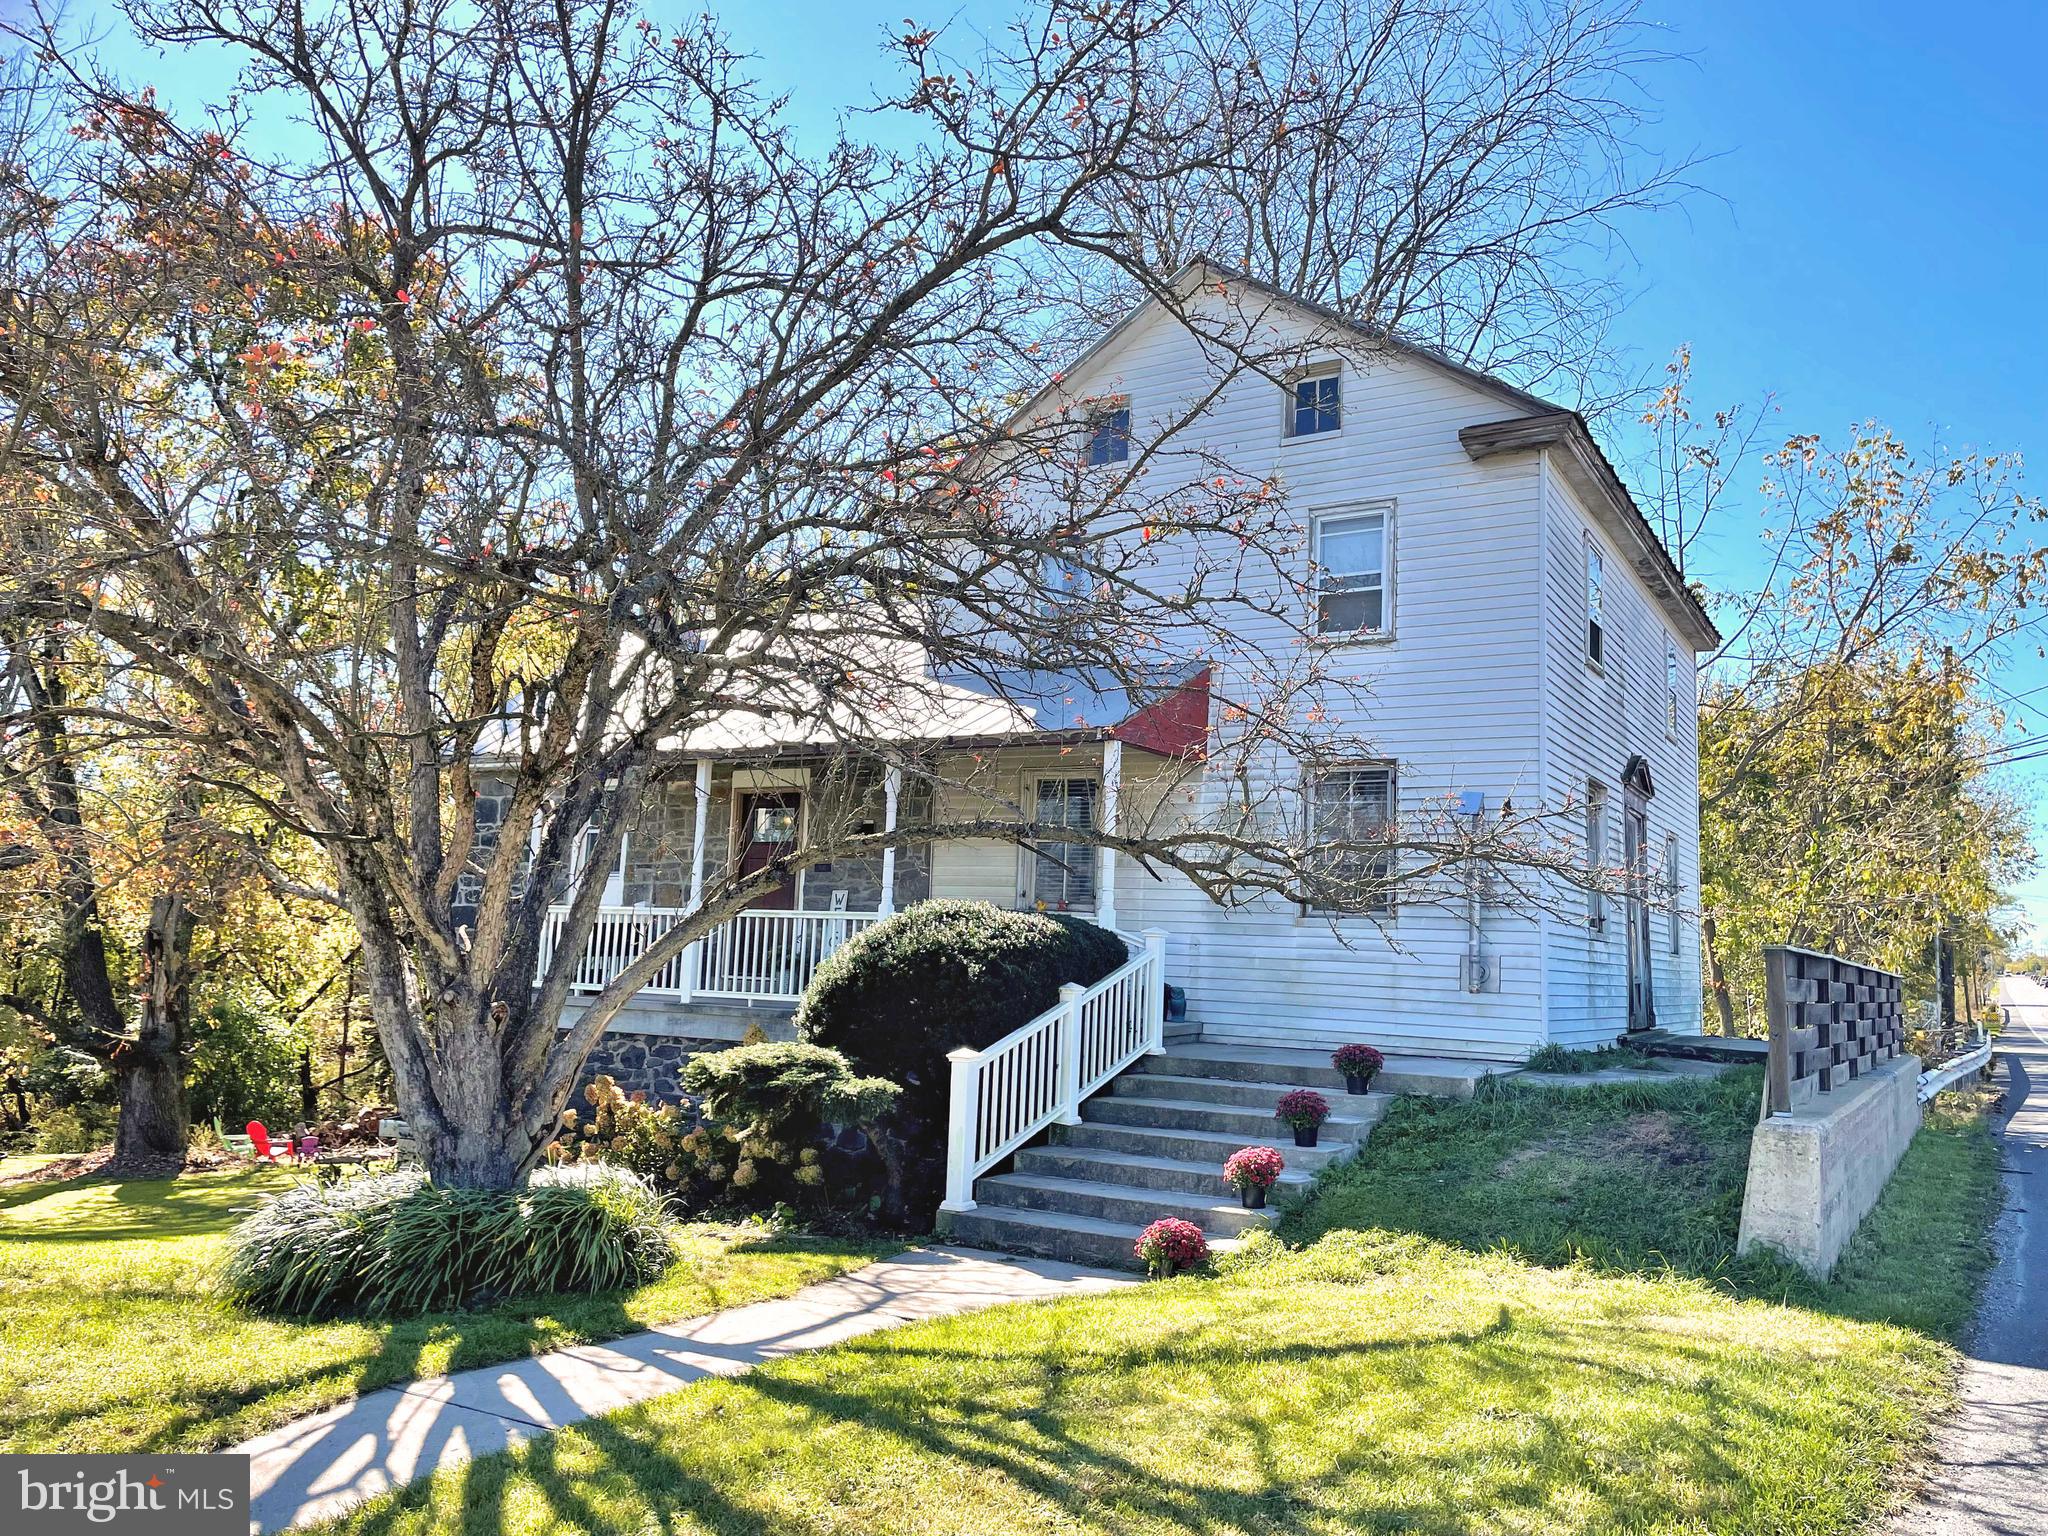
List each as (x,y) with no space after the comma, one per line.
(1153,1145)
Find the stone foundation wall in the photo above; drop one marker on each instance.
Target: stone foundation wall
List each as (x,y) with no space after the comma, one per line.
(649,1064)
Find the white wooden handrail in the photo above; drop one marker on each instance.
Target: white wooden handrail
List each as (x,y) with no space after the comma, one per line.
(1040,1074)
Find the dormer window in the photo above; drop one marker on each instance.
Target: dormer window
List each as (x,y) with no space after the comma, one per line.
(1109,434)
(1315,402)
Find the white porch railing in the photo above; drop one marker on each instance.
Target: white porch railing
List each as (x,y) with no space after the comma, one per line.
(761,955)
(1040,1073)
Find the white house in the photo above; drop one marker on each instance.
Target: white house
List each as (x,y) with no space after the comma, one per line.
(1525,636)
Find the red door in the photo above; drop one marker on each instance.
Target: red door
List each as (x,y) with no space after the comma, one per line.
(768,829)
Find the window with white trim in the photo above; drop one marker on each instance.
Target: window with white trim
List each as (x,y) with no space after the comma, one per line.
(1315,402)
(1109,434)
(1671,890)
(1354,573)
(1062,574)
(1596,856)
(1063,873)
(1596,582)
(1351,808)
(1671,686)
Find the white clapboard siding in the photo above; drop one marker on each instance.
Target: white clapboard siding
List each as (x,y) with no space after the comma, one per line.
(1482,687)
(1593,723)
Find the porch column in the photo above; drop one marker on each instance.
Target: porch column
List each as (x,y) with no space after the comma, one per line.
(697,838)
(892,790)
(1112,782)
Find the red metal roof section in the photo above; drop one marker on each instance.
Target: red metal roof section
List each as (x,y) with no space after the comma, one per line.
(1175,726)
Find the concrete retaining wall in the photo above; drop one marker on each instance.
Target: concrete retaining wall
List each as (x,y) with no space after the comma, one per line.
(1815,1172)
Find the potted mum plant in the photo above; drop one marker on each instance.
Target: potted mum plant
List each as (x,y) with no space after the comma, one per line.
(1360,1064)
(1305,1110)
(1251,1171)
(1170,1245)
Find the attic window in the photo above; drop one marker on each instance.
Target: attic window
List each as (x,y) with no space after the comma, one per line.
(1315,402)
(1109,434)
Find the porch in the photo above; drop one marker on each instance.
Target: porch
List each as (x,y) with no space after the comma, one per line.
(702,820)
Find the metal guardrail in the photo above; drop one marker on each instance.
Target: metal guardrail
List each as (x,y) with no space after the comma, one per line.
(1955,1069)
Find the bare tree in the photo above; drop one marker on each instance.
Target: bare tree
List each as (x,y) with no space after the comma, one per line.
(1454,173)
(543,408)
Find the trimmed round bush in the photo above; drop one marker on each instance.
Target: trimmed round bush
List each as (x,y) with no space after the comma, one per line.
(395,1245)
(942,974)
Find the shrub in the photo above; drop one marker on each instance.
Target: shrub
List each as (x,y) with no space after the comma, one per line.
(1302,1108)
(780,1098)
(1170,1245)
(1358,1061)
(936,976)
(394,1245)
(1253,1168)
(81,1127)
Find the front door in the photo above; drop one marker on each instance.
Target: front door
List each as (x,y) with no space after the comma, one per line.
(1642,1006)
(768,829)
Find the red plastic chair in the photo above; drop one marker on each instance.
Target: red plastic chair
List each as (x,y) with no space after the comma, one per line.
(259,1140)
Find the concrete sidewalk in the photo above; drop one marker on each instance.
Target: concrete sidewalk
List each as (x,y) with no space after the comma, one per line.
(1989,1481)
(335,1459)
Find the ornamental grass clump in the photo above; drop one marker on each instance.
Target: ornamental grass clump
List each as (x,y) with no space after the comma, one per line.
(394,1245)
(1171,1245)
(1305,1110)
(1360,1064)
(1251,1171)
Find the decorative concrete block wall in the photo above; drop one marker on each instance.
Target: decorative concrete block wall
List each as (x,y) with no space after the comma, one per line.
(1842,1105)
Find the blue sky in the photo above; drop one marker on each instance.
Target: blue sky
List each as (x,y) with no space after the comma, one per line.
(1870,238)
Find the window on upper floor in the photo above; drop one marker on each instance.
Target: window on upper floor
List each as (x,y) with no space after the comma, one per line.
(1351,810)
(1596,581)
(1315,402)
(1671,890)
(1061,572)
(1596,856)
(1109,433)
(1354,572)
(1671,686)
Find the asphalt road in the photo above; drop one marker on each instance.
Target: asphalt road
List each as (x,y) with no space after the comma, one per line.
(1993,1475)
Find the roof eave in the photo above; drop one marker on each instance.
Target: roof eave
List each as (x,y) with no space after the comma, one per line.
(1595,479)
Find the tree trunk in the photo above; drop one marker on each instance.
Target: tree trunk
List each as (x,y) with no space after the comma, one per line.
(150,1066)
(1718,978)
(309,1096)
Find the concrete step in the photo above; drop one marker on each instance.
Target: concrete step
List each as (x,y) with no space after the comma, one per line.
(1182,1033)
(1119,1202)
(1232,1091)
(1225,1119)
(1196,1146)
(1053,1235)
(1440,1076)
(1140,1171)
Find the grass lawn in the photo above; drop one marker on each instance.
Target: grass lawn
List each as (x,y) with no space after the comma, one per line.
(1371,1380)
(111,1337)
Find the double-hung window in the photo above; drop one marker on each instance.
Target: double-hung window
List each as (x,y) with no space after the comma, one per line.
(1596,581)
(1671,889)
(1354,595)
(1063,873)
(1315,403)
(1109,434)
(1596,857)
(1351,825)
